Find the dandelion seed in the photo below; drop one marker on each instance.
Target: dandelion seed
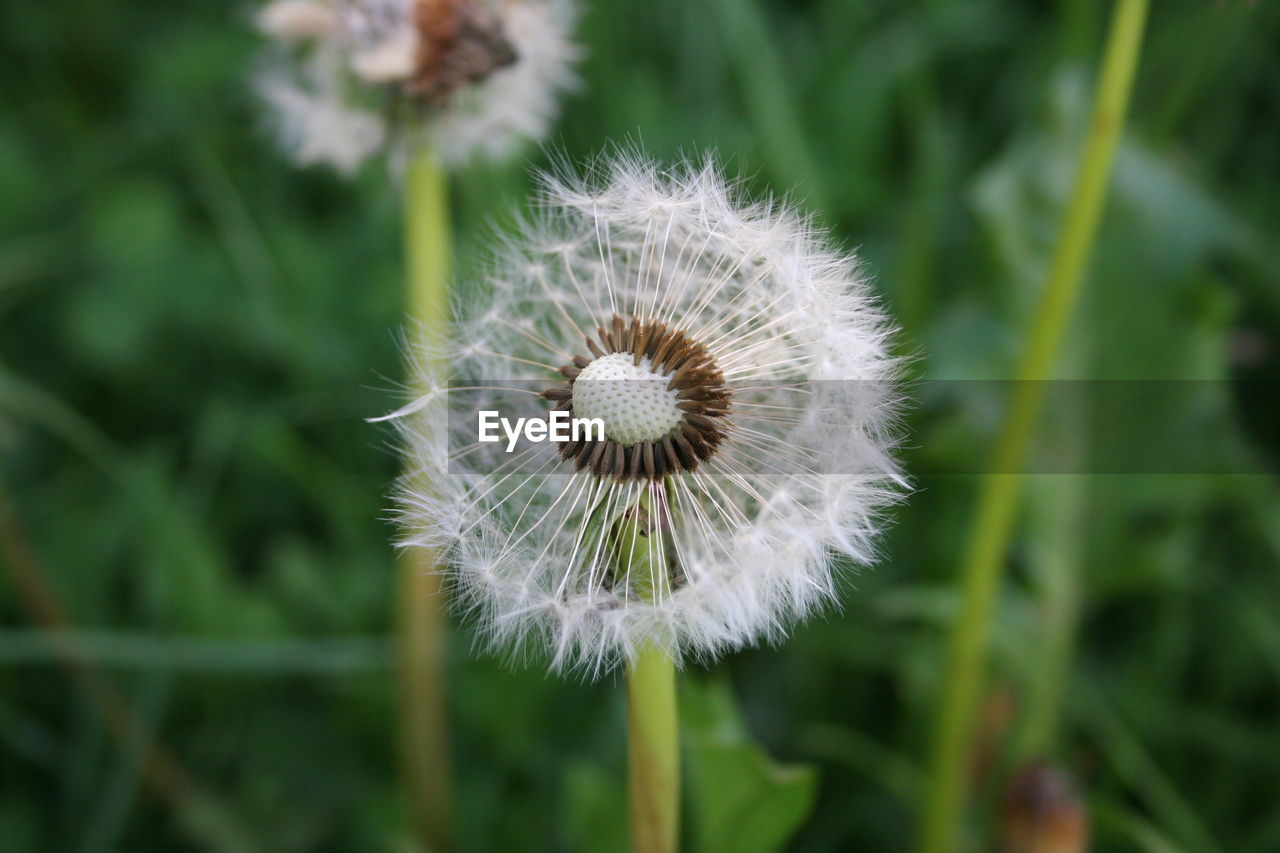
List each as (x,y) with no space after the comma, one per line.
(739,366)
(470,77)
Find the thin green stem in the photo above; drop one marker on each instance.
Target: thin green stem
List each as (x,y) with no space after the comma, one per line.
(653,740)
(421,624)
(999,493)
(653,747)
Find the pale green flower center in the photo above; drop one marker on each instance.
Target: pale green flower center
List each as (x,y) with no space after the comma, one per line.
(632,400)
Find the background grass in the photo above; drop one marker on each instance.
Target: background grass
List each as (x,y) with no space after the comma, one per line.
(191,333)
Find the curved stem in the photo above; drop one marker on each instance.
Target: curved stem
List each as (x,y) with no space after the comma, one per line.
(420,609)
(999,493)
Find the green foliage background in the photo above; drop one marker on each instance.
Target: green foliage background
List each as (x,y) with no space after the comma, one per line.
(192,332)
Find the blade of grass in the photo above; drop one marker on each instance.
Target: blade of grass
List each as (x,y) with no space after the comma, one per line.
(772,107)
(1058,560)
(1139,832)
(1131,760)
(162,652)
(924,206)
(205,819)
(109,817)
(197,588)
(897,774)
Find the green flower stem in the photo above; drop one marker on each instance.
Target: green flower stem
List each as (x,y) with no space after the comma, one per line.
(427,243)
(420,614)
(999,493)
(653,747)
(653,738)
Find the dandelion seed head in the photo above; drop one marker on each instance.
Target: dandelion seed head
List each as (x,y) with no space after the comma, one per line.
(741,367)
(468,77)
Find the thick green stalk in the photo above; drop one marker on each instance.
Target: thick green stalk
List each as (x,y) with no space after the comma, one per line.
(420,607)
(653,748)
(999,493)
(427,243)
(653,738)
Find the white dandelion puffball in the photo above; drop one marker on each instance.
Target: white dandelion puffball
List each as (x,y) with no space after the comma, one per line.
(470,77)
(735,369)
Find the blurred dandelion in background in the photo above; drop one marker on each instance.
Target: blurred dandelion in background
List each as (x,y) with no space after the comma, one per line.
(430,84)
(470,78)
